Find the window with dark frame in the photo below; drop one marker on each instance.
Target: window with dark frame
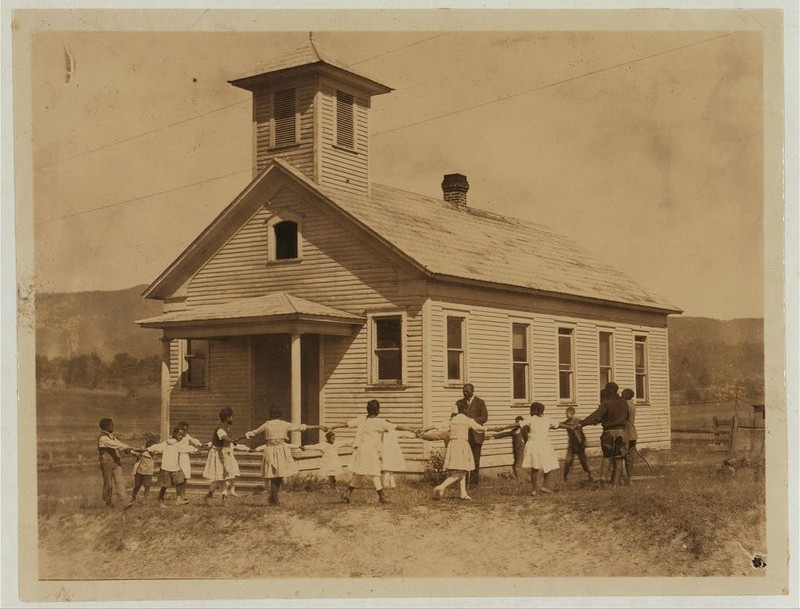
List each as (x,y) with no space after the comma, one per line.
(285,113)
(195,375)
(285,240)
(388,349)
(565,366)
(640,363)
(455,349)
(519,361)
(606,341)
(345,125)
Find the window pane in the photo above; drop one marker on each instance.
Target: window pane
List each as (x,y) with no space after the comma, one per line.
(605,377)
(564,385)
(388,331)
(286,240)
(605,349)
(640,363)
(565,349)
(520,343)
(454,326)
(640,393)
(389,365)
(454,365)
(520,381)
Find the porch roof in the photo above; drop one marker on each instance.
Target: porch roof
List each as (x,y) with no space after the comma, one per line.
(279,312)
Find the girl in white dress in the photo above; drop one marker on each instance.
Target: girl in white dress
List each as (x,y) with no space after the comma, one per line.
(393,459)
(369,447)
(539,453)
(458,459)
(278,462)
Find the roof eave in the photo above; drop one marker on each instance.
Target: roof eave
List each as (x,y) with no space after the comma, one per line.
(257,81)
(661,309)
(255,319)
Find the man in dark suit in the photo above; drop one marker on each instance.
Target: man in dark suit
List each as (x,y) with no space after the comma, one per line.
(474,408)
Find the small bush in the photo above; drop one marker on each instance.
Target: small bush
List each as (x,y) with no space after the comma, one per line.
(434,468)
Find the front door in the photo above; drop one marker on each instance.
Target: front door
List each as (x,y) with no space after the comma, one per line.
(272,375)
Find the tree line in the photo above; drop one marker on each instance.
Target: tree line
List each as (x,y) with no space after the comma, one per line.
(91,371)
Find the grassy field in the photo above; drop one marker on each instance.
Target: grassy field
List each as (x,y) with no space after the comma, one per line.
(685,516)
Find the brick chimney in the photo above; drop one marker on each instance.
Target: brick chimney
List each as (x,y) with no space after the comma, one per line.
(454,188)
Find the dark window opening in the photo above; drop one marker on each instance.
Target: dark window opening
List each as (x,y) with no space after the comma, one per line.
(285,240)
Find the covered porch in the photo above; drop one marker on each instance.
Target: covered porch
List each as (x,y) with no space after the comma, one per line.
(281,357)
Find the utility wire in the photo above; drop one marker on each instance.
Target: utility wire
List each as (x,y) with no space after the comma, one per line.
(148,196)
(503,98)
(394,129)
(195,117)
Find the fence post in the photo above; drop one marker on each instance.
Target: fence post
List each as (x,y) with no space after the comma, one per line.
(734,424)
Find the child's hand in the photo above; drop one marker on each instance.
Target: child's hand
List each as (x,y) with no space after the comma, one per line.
(249,435)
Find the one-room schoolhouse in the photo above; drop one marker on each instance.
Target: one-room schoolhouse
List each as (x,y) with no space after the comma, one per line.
(316,290)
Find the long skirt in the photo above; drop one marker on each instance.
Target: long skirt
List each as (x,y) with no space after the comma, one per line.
(459,456)
(278,462)
(220,465)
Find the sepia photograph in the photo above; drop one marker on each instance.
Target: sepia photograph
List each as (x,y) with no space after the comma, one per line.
(313,304)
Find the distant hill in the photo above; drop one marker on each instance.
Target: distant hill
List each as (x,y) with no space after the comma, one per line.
(71,324)
(709,358)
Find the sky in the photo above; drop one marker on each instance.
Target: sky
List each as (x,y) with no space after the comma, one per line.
(645,147)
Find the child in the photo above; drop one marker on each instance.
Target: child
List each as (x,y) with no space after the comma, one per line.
(368,446)
(330,465)
(221,466)
(278,462)
(186,465)
(171,473)
(392,459)
(518,435)
(576,445)
(108,448)
(539,453)
(143,469)
(630,431)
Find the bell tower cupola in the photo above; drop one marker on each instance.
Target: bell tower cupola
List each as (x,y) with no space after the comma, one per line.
(312,111)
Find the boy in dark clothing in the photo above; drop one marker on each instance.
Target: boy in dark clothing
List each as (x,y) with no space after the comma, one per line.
(109,449)
(518,435)
(576,445)
(613,415)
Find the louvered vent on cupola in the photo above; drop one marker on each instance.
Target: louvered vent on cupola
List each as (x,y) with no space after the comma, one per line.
(285,112)
(345,126)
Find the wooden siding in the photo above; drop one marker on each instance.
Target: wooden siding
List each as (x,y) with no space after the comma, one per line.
(488,367)
(347,170)
(301,154)
(338,270)
(229,385)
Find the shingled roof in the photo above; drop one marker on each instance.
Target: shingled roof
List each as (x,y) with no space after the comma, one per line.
(471,244)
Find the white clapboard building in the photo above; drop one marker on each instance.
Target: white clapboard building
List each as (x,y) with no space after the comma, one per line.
(316,290)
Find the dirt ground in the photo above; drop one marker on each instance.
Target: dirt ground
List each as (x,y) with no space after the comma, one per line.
(682,517)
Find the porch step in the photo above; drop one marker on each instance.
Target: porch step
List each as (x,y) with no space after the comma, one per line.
(249,478)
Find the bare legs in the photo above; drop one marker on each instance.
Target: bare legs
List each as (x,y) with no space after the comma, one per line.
(455,476)
(376,482)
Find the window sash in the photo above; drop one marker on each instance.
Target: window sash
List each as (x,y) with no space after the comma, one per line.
(606,357)
(455,348)
(520,363)
(388,349)
(196,356)
(566,376)
(640,366)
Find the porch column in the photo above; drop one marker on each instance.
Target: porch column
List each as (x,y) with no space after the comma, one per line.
(165,387)
(296,386)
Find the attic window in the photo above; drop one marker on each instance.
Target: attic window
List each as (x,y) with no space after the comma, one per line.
(286,240)
(285,237)
(345,126)
(285,121)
